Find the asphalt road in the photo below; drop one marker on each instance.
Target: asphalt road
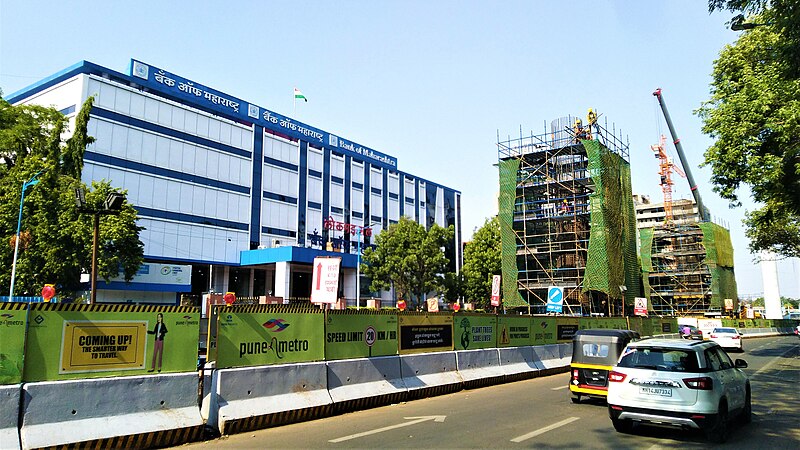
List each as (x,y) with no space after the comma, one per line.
(537,413)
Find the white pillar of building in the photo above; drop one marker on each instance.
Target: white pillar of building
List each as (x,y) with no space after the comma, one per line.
(350,293)
(252,279)
(769,279)
(219,278)
(282,278)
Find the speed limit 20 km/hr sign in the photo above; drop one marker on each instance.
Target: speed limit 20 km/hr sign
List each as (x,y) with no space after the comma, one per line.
(370,335)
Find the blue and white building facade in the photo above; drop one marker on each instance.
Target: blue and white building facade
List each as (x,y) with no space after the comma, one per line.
(243,196)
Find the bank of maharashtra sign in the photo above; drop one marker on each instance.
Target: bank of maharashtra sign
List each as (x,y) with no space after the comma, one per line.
(325,280)
(91,346)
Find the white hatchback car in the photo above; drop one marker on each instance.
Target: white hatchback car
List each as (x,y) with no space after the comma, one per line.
(727,337)
(680,383)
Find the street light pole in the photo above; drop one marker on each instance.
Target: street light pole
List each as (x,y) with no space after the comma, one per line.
(358,265)
(358,270)
(95,240)
(738,24)
(112,206)
(32,182)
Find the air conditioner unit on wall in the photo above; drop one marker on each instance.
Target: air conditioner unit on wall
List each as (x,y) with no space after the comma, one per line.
(263,246)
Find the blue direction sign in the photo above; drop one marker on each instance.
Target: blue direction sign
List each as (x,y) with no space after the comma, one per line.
(555,299)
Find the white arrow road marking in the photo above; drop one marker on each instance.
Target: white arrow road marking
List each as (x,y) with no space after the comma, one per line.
(412,421)
(525,437)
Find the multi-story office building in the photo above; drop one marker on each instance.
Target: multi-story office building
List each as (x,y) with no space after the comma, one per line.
(241,197)
(649,214)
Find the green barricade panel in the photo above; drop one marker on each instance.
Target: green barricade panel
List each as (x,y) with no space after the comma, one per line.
(648,327)
(514,331)
(473,331)
(566,328)
(12,341)
(635,324)
(69,341)
(544,330)
(667,325)
(425,332)
(360,334)
(269,334)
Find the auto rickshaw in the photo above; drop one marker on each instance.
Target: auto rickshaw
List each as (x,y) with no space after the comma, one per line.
(594,353)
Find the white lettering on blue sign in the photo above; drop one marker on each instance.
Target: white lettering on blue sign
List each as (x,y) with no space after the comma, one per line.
(555,299)
(195,92)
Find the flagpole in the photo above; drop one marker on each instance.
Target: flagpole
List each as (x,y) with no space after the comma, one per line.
(294,105)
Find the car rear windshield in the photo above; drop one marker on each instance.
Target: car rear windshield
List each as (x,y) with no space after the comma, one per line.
(724,330)
(664,359)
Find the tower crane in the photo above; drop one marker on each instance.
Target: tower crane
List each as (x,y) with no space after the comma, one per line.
(665,169)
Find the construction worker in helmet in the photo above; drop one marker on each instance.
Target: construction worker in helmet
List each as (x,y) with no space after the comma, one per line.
(580,132)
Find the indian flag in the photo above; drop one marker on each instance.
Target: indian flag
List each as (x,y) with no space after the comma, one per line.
(299,95)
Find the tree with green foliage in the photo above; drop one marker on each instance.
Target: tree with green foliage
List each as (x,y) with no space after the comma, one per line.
(55,238)
(409,258)
(754,117)
(453,287)
(481,262)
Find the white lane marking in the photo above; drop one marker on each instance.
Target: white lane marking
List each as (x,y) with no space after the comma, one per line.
(559,388)
(772,362)
(525,437)
(390,427)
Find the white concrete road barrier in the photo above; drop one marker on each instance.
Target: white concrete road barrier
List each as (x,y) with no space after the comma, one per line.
(554,357)
(519,363)
(479,367)
(130,412)
(428,374)
(365,382)
(250,398)
(9,416)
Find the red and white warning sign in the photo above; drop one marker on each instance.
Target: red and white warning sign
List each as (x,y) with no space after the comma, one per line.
(496,290)
(325,282)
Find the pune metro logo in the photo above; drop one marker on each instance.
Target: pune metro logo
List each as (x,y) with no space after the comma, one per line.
(275,325)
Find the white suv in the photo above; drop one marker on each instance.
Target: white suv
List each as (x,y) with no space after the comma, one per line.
(687,384)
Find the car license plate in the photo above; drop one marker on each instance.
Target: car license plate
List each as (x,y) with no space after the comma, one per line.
(663,392)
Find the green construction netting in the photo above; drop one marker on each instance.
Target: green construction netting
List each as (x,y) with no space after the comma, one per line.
(508,239)
(645,252)
(720,250)
(719,258)
(611,257)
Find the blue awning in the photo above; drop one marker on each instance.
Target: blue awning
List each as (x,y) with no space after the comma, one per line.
(301,255)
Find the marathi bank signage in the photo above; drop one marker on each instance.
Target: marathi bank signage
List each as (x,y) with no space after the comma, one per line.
(180,87)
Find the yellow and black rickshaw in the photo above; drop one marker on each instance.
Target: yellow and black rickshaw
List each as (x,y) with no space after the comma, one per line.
(594,353)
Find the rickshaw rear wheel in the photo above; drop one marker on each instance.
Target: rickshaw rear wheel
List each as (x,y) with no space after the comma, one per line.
(576,398)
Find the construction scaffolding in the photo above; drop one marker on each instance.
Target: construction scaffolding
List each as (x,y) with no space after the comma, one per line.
(688,269)
(567,219)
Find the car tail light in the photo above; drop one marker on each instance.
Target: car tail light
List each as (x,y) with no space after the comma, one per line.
(713,336)
(702,383)
(616,377)
(734,337)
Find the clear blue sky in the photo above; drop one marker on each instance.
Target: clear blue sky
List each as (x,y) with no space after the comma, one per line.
(430,83)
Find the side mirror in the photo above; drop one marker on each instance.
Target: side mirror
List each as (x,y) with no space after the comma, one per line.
(740,364)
